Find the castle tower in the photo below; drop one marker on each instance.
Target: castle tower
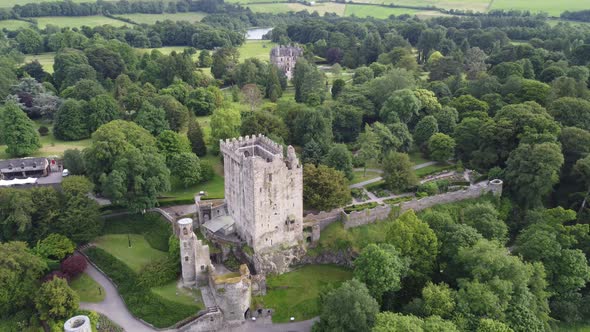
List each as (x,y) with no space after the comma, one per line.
(78,324)
(194,255)
(263,191)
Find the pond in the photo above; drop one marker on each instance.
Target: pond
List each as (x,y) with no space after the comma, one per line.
(256,33)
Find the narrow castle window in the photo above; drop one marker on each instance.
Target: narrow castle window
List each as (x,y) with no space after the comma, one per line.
(184,231)
(186,258)
(202,267)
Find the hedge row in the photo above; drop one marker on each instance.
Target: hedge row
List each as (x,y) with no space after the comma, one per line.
(139,299)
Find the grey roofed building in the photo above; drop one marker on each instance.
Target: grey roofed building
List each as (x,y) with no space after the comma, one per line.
(24,168)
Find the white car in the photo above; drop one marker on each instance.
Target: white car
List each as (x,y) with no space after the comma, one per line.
(65,173)
(201,193)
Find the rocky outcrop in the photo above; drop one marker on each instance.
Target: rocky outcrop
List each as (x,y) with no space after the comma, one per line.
(278,261)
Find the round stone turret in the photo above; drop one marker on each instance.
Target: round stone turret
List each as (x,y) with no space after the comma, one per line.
(78,324)
(496,187)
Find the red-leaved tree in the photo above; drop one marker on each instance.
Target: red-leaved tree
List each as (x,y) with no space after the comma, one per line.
(73,265)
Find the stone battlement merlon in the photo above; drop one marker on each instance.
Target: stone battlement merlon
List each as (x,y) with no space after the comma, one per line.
(260,146)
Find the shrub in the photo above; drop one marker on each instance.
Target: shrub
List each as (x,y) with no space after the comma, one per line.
(360,207)
(207,171)
(56,274)
(74,265)
(158,273)
(43,131)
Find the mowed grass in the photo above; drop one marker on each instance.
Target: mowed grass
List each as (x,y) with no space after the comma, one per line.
(360,176)
(51,146)
(153,18)
(171,291)
(13,24)
(295,294)
(259,49)
(137,256)
(553,8)
(417,158)
(573,327)
(474,5)
(320,8)
(87,289)
(213,188)
(11,3)
(376,11)
(78,21)
(45,59)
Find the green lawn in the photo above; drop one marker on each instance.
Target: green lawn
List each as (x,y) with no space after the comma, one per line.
(87,289)
(474,5)
(439,167)
(11,3)
(51,146)
(320,8)
(359,176)
(13,24)
(575,327)
(213,188)
(295,294)
(45,59)
(171,291)
(259,49)
(140,253)
(553,8)
(376,11)
(153,18)
(78,21)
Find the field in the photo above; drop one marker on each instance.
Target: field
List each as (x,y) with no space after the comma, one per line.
(51,146)
(359,176)
(295,294)
(78,21)
(259,49)
(553,8)
(45,59)
(152,18)
(135,257)
(376,11)
(184,296)
(321,8)
(88,289)
(13,24)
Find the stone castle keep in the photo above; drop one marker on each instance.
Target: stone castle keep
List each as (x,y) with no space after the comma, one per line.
(285,58)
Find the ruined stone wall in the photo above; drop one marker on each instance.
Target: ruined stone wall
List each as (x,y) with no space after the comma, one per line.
(323,218)
(359,218)
(232,295)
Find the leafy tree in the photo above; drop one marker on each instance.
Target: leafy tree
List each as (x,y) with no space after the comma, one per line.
(101,109)
(402,134)
(447,119)
(263,122)
(324,188)
(79,218)
(346,122)
(201,101)
(20,270)
(571,112)
(490,325)
(205,59)
(348,308)
(380,268)
(186,167)
(70,121)
(54,246)
(252,95)
(274,84)
(195,137)
(56,300)
(386,140)
(313,153)
(337,87)
(403,105)
(398,173)
(368,143)
(362,75)
(224,61)
(415,240)
(475,62)
(428,101)
(17,131)
(171,143)
(225,123)
(468,105)
(176,113)
(340,158)
(74,265)
(390,321)
(74,162)
(107,63)
(308,82)
(152,118)
(532,170)
(438,299)
(84,89)
(29,41)
(124,163)
(425,129)
(484,218)
(441,147)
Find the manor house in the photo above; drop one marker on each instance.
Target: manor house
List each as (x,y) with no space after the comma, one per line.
(285,58)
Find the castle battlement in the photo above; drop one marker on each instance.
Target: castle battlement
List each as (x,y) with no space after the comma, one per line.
(251,147)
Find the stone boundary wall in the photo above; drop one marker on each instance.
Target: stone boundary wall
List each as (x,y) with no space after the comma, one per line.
(323,218)
(208,322)
(381,212)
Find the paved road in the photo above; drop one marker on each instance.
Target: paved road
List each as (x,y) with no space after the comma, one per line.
(113,306)
(377,179)
(267,326)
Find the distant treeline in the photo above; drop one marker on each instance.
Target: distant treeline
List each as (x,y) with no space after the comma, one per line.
(582,15)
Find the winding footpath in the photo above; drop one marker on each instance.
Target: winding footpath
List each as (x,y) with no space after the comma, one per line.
(113,306)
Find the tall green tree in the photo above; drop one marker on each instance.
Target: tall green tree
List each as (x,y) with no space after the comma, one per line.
(171,143)
(340,158)
(225,123)
(79,219)
(441,147)
(398,173)
(29,41)
(195,137)
(309,83)
(56,300)
(349,308)
(424,129)
(324,188)
(17,131)
(100,110)
(70,122)
(403,105)
(368,143)
(152,118)
(381,268)
(186,167)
